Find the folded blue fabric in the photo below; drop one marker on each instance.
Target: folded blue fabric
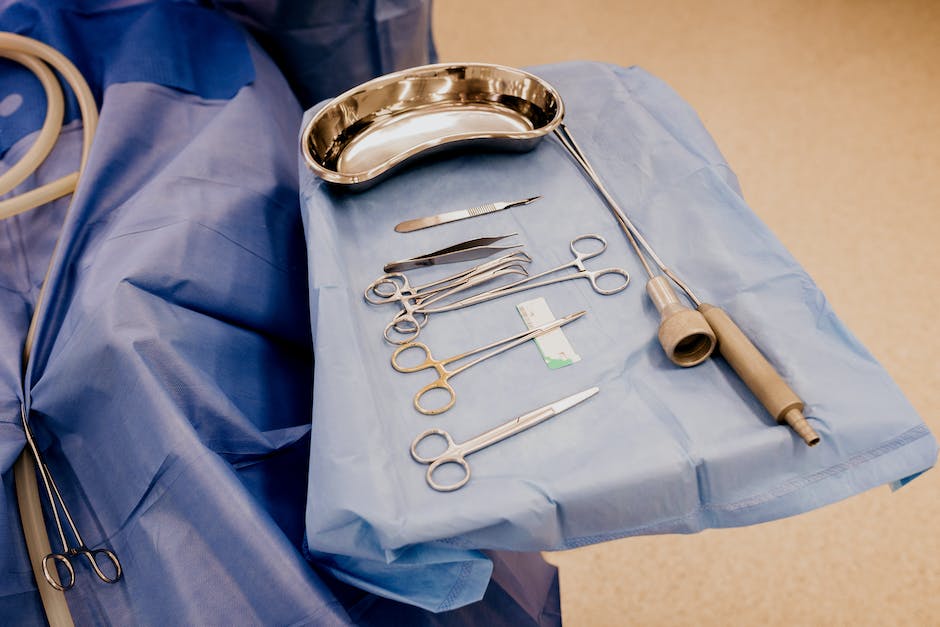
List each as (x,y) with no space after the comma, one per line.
(176,44)
(169,385)
(660,449)
(324,48)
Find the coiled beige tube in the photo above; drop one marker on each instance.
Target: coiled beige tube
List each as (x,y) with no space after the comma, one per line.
(35,56)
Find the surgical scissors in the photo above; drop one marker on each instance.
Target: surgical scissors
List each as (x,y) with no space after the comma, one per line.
(444,375)
(50,560)
(457,453)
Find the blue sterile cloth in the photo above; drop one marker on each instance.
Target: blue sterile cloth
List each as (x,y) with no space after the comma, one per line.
(660,449)
(170,382)
(324,48)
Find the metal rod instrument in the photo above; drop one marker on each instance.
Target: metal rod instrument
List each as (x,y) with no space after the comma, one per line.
(689,336)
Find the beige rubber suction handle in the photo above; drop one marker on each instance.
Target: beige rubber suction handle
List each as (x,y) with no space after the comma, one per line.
(683,332)
(758,374)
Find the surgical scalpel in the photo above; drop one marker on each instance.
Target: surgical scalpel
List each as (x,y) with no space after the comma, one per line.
(442,218)
(457,453)
(470,250)
(440,365)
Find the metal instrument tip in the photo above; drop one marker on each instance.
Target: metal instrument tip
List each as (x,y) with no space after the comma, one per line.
(525,201)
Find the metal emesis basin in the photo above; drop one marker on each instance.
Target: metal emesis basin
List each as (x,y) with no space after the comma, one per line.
(363,134)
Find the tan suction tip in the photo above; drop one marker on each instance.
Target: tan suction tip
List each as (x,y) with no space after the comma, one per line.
(684,333)
(794,417)
(758,374)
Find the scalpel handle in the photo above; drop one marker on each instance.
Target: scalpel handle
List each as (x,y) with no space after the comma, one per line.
(422,223)
(758,373)
(442,218)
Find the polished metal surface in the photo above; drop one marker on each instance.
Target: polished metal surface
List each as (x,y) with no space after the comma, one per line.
(364,133)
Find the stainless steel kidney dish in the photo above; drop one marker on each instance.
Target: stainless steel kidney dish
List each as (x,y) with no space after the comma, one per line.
(364,133)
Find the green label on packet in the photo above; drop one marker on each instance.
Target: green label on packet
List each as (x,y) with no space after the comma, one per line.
(554,346)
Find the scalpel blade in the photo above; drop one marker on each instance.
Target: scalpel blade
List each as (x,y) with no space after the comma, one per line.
(442,218)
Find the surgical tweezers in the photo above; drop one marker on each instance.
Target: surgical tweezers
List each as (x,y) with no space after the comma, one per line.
(395,288)
(470,250)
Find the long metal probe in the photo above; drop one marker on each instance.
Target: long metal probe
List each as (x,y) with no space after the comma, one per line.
(684,334)
(680,332)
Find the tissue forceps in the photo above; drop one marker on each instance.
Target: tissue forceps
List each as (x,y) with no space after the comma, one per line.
(531,282)
(457,453)
(409,321)
(470,250)
(394,287)
(55,503)
(444,375)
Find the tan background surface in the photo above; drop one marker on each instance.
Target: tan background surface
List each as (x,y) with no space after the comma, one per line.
(829,113)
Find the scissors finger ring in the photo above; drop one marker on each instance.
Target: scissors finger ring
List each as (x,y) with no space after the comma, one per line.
(48,566)
(93,558)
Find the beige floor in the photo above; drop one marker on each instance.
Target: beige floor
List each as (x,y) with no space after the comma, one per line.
(829,112)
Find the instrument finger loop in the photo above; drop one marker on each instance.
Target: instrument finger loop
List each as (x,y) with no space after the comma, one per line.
(440,384)
(444,462)
(412,347)
(406,336)
(617,285)
(112,558)
(429,434)
(54,581)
